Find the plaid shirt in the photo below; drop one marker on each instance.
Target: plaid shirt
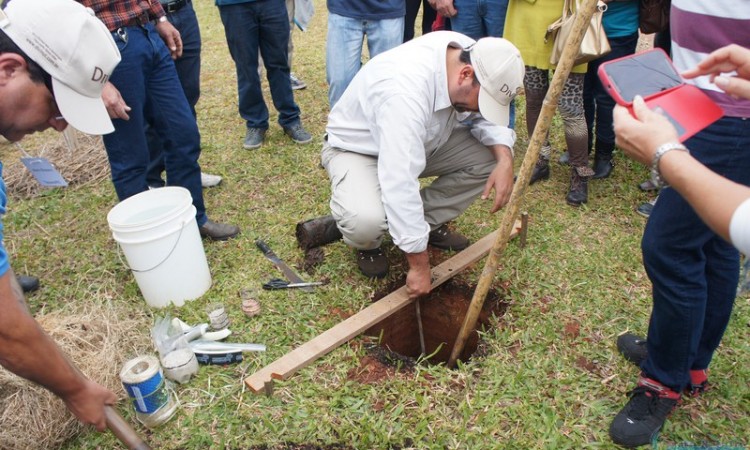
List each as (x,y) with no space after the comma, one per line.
(120,13)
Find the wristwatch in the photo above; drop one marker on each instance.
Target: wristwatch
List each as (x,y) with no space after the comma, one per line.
(162,19)
(663,149)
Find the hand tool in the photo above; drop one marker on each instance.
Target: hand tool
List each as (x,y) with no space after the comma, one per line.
(419,325)
(123,430)
(288,272)
(278,283)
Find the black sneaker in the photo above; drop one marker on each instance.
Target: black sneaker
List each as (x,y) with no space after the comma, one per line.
(633,348)
(644,209)
(254,138)
(640,420)
(446,239)
(372,263)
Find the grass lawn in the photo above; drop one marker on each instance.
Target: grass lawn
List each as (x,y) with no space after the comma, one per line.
(549,375)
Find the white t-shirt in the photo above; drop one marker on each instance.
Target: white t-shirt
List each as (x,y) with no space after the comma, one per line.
(739,227)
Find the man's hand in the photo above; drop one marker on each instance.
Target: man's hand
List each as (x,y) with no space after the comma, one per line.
(444,7)
(418,282)
(171,37)
(88,403)
(116,106)
(501,178)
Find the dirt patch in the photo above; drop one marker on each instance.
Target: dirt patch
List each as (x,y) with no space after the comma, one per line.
(443,313)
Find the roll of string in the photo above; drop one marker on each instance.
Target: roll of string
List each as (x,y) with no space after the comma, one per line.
(143,381)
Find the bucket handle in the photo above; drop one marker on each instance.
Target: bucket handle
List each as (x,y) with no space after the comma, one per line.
(177,241)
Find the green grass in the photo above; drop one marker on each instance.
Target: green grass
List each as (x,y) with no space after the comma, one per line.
(551,378)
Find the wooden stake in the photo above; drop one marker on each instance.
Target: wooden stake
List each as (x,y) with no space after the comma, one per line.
(522,182)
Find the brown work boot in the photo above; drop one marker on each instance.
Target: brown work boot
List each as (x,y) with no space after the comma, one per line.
(446,239)
(218,231)
(372,263)
(579,185)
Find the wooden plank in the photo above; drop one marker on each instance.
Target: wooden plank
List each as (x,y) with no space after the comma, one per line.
(302,356)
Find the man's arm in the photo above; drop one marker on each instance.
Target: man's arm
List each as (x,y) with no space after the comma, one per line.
(501,178)
(27,351)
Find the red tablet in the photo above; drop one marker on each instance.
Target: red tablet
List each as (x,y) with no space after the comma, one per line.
(651,75)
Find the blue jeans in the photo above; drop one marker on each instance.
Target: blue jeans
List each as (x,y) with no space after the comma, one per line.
(261,25)
(344,47)
(482,18)
(694,272)
(147,80)
(188,71)
(479,18)
(597,103)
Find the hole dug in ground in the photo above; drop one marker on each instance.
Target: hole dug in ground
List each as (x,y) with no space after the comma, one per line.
(443,313)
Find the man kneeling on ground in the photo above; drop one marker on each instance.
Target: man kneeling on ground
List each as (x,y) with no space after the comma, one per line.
(436,106)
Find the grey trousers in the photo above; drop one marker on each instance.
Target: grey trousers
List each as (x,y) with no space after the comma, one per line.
(462,166)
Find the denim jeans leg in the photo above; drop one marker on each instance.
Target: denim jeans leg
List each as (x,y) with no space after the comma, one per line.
(188,70)
(146,77)
(273,20)
(242,30)
(383,35)
(693,272)
(343,54)
(126,147)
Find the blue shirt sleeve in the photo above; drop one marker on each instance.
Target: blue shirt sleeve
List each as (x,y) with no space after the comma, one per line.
(4,263)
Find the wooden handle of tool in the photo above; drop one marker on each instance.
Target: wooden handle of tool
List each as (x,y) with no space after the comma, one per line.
(124,432)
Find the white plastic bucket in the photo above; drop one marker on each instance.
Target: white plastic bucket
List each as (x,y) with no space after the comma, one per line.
(159,236)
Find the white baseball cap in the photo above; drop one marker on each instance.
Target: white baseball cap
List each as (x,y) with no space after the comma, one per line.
(74,48)
(500,70)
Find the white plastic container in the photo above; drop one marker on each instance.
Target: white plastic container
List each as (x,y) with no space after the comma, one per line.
(159,236)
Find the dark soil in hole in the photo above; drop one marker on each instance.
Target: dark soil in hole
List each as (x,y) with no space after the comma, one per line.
(443,313)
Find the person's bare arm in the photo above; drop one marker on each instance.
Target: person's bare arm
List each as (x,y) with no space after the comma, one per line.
(27,351)
(501,178)
(171,38)
(113,101)
(418,279)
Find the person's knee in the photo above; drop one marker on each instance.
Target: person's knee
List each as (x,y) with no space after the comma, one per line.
(362,228)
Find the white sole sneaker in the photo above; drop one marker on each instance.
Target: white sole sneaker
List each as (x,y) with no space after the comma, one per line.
(208,180)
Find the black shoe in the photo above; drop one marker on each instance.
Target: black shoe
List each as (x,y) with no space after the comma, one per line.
(578,193)
(602,167)
(27,283)
(540,172)
(218,231)
(447,240)
(640,420)
(372,263)
(633,348)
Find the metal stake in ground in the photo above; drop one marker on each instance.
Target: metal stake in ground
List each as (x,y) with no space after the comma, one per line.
(522,182)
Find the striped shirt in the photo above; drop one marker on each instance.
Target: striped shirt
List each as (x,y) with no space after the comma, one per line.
(699,27)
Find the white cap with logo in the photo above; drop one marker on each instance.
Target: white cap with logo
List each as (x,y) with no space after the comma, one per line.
(74,48)
(500,71)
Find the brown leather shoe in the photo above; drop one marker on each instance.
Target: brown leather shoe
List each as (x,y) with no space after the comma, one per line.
(447,240)
(218,231)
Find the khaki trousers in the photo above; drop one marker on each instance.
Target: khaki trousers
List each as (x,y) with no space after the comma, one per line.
(462,166)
